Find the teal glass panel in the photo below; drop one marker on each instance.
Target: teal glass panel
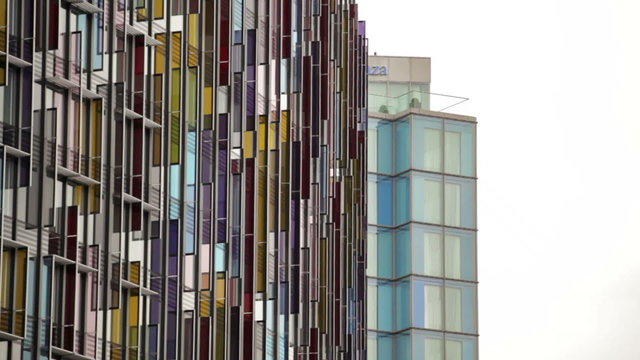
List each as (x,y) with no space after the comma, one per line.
(403,304)
(221,257)
(403,145)
(427,143)
(385,346)
(402,199)
(459,202)
(460,254)
(403,341)
(427,250)
(459,148)
(402,251)
(390,303)
(426,197)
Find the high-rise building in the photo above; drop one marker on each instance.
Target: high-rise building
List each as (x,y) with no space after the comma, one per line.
(421,252)
(182,179)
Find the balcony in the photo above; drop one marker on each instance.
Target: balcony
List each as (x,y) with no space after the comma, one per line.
(76,166)
(413,100)
(17,141)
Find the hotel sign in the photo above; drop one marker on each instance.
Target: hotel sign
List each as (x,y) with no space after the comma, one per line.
(378,70)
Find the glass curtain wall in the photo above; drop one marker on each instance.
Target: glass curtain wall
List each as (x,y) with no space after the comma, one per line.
(421,253)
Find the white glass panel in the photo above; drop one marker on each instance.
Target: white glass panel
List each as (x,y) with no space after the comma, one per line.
(452,251)
(372,202)
(372,254)
(452,152)
(454,350)
(434,349)
(372,306)
(433,254)
(372,154)
(433,201)
(453,309)
(452,204)
(433,313)
(432,156)
(372,348)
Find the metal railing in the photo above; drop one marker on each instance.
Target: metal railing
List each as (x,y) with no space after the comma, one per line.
(413,100)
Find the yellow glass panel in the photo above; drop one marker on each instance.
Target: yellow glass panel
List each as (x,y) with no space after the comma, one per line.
(261,267)
(205,303)
(176,50)
(21,279)
(133,310)
(284,127)
(116,326)
(220,287)
(77,196)
(6,267)
(273,131)
(248,144)
(262,203)
(262,132)
(158,9)
(208,101)
(176,87)
(96,128)
(175,138)
(160,54)
(94,198)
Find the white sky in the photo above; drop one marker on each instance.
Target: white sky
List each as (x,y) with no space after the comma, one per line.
(555,85)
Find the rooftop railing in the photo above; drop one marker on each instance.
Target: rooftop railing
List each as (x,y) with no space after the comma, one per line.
(413,100)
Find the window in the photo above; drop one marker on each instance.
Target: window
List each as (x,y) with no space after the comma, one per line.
(459,202)
(431,345)
(444,305)
(427,143)
(380,146)
(426,198)
(427,251)
(452,152)
(460,254)
(459,148)
(427,303)
(388,305)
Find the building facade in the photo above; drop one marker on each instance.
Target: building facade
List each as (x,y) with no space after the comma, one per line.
(182,179)
(421,252)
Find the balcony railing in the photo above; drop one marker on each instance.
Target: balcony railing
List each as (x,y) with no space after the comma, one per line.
(413,100)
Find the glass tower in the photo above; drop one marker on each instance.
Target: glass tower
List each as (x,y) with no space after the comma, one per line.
(421,252)
(182,179)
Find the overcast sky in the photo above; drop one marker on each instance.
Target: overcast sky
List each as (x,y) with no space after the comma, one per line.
(555,85)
